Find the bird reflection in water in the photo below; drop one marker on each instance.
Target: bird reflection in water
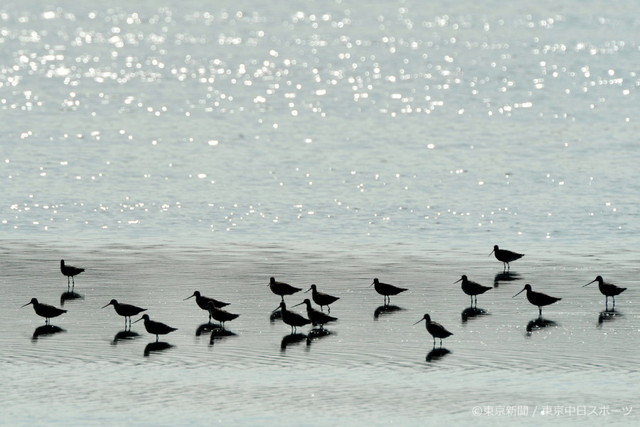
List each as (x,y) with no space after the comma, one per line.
(220,333)
(275,315)
(539,323)
(46,330)
(124,336)
(385,309)
(608,316)
(205,328)
(506,276)
(471,312)
(156,347)
(437,353)
(291,339)
(69,296)
(316,334)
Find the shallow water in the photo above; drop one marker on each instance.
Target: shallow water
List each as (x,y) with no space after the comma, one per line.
(172,147)
(368,369)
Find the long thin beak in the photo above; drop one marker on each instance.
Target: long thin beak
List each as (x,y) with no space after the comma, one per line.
(371,284)
(492,252)
(307,290)
(189,297)
(138,320)
(459,280)
(107,305)
(276,309)
(25,304)
(298,304)
(518,293)
(418,321)
(588,283)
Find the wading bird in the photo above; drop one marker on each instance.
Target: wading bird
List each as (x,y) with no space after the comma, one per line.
(291,318)
(317,317)
(435,329)
(386,290)
(155,328)
(321,298)
(505,256)
(70,271)
(125,310)
(537,298)
(471,288)
(44,310)
(281,288)
(607,289)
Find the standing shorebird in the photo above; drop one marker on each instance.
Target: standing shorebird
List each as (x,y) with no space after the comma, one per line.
(386,290)
(471,288)
(70,271)
(44,310)
(219,314)
(281,288)
(505,256)
(317,317)
(608,290)
(537,298)
(203,302)
(321,298)
(435,329)
(155,328)
(125,310)
(291,318)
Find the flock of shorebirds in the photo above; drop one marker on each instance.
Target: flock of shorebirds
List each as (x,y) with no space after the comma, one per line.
(315,317)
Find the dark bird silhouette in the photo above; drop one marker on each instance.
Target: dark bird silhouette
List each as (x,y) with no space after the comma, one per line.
(220,315)
(46,330)
(44,310)
(607,289)
(321,298)
(537,298)
(281,288)
(435,329)
(291,318)
(472,289)
(155,328)
(386,290)
(70,271)
(125,310)
(203,302)
(505,256)
(317,317)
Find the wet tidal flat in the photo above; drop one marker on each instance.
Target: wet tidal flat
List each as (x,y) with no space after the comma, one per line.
(373,365)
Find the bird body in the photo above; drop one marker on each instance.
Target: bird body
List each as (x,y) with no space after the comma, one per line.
(70,271)
(386,290)
(220,315)
(291,318)
(203,302)
(317,317)
(155,328)
(321,298)
(472,288)
(281,288)
(537,298)
(125,310)
(505,256)
(607,289)
(45,310)
(435,329)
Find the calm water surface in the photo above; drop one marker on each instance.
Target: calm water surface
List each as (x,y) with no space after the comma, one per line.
(169,147)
